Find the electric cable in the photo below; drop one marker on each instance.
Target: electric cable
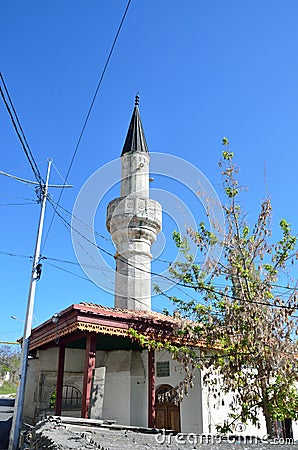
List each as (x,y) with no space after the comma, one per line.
(92,282)
(48,258)
(17,204)
(88,114)
(72,216)
(185,285)
(19,198)
(15,254)
(108,239)
(10,332)
(70,227)
(19,131)
(152,273)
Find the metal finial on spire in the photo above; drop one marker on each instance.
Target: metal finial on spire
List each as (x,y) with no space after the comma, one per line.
(135,139)
(137,100)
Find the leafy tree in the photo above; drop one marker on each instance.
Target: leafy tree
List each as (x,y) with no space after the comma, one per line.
(245,316)
(9,362)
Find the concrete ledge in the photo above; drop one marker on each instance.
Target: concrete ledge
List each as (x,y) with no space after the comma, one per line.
(68,433)
(109,424)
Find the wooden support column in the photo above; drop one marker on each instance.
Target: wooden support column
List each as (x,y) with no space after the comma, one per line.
(151,388)
(88,373)
(60,376)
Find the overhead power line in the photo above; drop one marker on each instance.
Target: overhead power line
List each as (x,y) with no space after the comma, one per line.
(108,239)
(70,227)
(96,91)
(19,131)
(19,198)
(177,284)
(14,254)
(18,204)
(91,281)
(152,273)
(88,113)
(72,216)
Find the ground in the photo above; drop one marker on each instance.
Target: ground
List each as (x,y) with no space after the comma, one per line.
(6,413)
(56,435)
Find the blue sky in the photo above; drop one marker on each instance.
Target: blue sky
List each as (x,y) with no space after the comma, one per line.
(204,70)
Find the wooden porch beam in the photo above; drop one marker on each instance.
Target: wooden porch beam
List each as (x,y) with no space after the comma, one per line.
(88,373)
(60,376)
(151,388)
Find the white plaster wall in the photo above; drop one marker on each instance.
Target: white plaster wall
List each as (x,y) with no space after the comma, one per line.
(42,379)
(116,402)
(138,392)
(47,361)
(97,394)
(126,390)
(215,413)
(295,430)
(74,360)
(190,407)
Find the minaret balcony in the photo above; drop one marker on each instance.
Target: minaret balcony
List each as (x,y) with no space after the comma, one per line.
(131,212)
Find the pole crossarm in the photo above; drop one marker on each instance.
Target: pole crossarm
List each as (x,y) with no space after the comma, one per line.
(23,180)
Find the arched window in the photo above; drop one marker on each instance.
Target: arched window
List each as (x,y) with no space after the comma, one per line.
(71,398)
(166,393)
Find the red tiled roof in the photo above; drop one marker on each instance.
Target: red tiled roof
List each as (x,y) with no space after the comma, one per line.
(84,317)
(136,313)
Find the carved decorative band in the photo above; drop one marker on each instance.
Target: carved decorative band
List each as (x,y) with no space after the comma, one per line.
(53,336)
(102,329)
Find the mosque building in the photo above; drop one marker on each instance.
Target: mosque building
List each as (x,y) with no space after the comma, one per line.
(84,361)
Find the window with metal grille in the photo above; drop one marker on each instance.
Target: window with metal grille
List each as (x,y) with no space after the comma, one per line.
(71,398)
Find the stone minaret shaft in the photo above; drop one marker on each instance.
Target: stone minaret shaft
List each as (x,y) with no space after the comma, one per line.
(134,220)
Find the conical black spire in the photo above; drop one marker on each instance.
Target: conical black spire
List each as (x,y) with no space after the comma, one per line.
(135,140)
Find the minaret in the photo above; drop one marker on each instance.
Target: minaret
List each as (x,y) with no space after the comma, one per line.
(134,220)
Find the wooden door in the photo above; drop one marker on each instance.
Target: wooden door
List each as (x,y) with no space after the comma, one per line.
(167,416)
(167,413)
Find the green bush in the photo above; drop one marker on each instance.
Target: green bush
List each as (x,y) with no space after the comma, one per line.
(8,388)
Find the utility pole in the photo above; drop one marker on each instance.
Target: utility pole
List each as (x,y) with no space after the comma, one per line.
(35,274)
(19,402)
